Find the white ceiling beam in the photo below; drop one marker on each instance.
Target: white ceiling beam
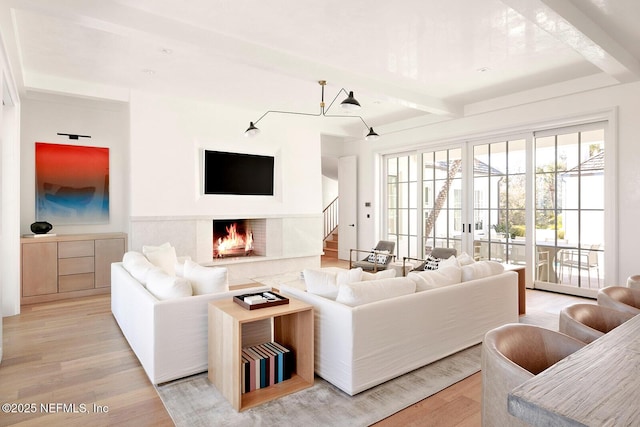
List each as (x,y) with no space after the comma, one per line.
(14,56)
(567,23)
(128,21)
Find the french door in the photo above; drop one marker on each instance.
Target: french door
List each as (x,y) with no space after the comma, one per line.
(424,201)
(536,199)
(570,201)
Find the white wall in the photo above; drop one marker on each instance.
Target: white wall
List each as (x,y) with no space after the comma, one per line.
(43,116)
(626,98)
(9,197)
(167,139)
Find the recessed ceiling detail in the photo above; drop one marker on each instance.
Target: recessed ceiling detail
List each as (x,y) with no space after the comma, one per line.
(406,61)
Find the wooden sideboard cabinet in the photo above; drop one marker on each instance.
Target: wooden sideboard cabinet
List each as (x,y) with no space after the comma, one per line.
(67,266)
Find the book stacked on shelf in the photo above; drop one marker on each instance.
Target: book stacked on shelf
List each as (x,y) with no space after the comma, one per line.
(264,365)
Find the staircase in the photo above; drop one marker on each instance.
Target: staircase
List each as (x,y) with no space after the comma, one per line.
(331,245)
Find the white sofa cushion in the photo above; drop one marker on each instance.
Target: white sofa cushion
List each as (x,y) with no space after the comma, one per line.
(452,261)
(358,293)
(180,265)
(384,274)
(481,269)
(326,283)
(349,276)
(137,265)
(323,283)
(206,280)
(163,286)
(163,256)
(431,279)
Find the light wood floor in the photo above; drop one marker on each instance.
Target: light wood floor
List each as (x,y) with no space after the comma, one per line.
(73,353)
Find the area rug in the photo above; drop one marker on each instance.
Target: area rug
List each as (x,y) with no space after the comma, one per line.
(194,401)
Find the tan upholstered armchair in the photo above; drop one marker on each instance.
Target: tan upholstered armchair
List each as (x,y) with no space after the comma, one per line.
(511,354)
(620,298)
(588,322)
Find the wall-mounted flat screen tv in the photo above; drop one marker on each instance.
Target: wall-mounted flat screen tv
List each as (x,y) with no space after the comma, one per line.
(237,173)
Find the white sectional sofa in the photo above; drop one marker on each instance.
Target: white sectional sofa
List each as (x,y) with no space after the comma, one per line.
(168,336)
(358,347)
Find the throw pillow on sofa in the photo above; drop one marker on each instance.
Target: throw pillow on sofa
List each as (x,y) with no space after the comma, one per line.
(481,269)
(206,280)
(163,256)
(431,263)
(384,274)
(137,265)
(452,261)
(354,294)
(432,279)
(465,259)
(164,287)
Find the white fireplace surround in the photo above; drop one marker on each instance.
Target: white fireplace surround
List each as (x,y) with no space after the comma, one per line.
(293,243)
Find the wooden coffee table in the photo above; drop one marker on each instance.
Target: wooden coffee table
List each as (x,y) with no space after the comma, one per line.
(232,327)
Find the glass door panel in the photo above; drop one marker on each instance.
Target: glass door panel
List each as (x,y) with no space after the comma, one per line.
(402,204)
(570,208)
(442,204)
(499,187)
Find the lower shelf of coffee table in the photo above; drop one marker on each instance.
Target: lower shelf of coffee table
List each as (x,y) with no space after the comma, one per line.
(258,397)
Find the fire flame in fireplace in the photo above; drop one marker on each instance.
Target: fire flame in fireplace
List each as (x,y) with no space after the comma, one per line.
(234,242)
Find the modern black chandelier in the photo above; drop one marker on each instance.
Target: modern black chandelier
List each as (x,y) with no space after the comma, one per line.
(349,103)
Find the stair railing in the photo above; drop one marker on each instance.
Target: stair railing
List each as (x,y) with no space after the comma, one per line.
(330,214)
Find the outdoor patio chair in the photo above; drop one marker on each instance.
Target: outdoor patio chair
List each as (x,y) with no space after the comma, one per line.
(586,259)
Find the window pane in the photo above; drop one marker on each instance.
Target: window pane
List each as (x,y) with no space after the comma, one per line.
(392,221)
(441,164)
(545,154)
(546,190)
(567,156)
(517,191)
(413,195)
(403,169)
(429,166)
(392,168)
(403,200)
(413,168)
(428,196)
(481,160)
(455,157)
(402,221)
(592,192)
(592,228)
(498,158)
(517,161)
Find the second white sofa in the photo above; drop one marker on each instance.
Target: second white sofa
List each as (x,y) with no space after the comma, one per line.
(359,347)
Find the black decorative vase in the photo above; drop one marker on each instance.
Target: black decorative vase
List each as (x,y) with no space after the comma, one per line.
(41,227)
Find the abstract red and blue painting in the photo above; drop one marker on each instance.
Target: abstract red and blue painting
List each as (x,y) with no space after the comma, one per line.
(72,184)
